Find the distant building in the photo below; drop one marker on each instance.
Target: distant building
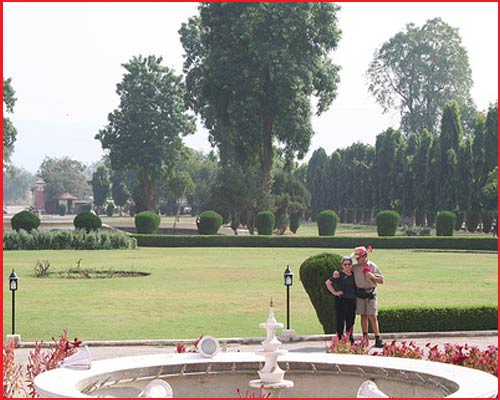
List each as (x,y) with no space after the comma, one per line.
(39,195)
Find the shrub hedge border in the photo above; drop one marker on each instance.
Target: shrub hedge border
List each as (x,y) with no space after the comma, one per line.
(438,319)
(411,242)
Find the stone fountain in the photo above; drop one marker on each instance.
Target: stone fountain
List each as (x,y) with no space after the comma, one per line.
(271,375)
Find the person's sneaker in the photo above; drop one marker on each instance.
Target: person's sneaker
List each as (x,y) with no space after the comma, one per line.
(379,343)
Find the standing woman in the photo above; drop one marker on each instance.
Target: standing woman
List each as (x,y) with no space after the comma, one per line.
(343,287)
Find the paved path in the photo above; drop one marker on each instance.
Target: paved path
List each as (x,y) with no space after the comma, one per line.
(103,350)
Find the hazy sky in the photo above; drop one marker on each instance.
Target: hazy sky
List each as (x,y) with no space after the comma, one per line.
(65,61)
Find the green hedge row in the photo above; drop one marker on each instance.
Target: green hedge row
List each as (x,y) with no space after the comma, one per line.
(438,319)
(404,242)
(66,240)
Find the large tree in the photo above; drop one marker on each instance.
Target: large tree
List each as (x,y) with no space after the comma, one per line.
(16,186)
(251,71)
(143,133)
(418,70)
(9,131)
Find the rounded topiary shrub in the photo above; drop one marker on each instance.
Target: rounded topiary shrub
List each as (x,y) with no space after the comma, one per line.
(84,208)
(25,220)
(264,222)
(327,222)
(88,221)
(146,222)
(314,271)
(445,223)
(208,222)
(387,223)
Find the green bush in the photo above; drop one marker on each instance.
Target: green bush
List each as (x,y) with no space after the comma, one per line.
(398,242)
(25,220)
(438,319)
(387,223)
(110,208)
(264,222)
(61,209)
(208,222)
(87,221)
(313,273)
(67,240)
(327,222)
(147,222)
(445,223)
(472,219)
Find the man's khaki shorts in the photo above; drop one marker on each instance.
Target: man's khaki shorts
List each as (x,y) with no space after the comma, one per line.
(366,306)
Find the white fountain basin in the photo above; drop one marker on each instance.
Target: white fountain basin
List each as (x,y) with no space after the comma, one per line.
(314,375)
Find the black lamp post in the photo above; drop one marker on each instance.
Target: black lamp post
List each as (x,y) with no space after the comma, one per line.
(13,287)
(288,277)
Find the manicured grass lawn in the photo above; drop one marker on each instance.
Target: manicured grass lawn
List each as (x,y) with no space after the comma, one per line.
(222,292)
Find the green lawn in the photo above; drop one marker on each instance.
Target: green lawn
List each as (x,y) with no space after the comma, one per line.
(222,292)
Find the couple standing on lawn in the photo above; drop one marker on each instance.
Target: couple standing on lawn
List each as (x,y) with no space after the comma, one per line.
(354,291)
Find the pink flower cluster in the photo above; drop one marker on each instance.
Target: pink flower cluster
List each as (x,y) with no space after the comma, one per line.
(181,347)
(466,355)
(344,345)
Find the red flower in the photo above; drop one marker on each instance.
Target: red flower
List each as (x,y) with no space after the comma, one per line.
(366,269)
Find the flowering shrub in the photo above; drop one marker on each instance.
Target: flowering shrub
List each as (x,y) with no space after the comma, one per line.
(404,350)
(467,356)
(181,347)
(13,380)
(44,360)
(344,345)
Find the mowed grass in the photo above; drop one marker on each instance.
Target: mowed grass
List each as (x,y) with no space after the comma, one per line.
(223,292)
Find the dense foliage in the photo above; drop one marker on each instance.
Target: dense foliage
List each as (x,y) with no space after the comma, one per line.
(25,220)
(143,133)
(327,223)
(264,222)
(313,273)
(251,71)
(88,221)
(418,70)
(9,131)
(66,240)
(147,222)
(387,223)
(445,223)
(209,222)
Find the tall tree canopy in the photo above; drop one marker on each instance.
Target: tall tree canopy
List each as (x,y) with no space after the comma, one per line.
(143,132)
(9,131)
(418,70)
(251,71)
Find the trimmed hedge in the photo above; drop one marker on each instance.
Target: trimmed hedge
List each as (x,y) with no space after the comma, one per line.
(314,271)
(147,222)
(67,240)
(438,319)
(88,221)
(264,222)
(24,220)
(327,222)
(387,222)
(445,223)
(209,222)
(400,242)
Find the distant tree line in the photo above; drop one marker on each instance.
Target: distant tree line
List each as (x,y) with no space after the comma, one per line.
(416,174)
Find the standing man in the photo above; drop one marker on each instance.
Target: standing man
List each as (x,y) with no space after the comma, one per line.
(367,276)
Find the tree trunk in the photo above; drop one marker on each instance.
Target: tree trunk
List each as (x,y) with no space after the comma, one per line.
(148,191)
(267,145)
